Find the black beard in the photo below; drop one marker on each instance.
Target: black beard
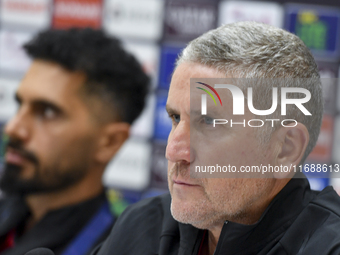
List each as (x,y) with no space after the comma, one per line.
(11,183)
(44,180)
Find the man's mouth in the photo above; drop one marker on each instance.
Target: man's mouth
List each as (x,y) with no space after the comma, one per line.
(184,183)
(13,156)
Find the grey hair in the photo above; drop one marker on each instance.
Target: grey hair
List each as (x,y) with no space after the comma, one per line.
(255,50)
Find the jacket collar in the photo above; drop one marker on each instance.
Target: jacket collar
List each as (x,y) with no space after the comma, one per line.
(13,211)
(237,238)
(276,219)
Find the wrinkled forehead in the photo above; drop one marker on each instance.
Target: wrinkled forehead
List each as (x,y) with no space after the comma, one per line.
(185,71)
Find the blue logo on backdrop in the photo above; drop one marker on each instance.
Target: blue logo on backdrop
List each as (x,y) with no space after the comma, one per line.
(169,55)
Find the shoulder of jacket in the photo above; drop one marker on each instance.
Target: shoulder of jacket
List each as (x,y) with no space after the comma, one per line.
(328,200)
(155,207)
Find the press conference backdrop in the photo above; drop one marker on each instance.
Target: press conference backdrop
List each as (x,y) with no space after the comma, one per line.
(156,31)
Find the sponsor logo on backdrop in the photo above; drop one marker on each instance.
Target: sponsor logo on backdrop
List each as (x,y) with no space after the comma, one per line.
(190,20)
(25,6)
(318,27)
(312,30)
(264,12)
(134,18)
(77,10)
(77,13)
(34,13)
(187,20)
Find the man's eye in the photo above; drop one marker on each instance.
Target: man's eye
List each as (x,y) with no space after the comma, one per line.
(49,113)
(175,118)
(208,120)
(46,112)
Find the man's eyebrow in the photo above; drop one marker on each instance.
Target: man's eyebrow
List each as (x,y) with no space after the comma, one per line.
(47,103)
(40,102)
(170,110)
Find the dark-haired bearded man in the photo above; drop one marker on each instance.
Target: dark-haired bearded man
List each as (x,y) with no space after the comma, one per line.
(76,103)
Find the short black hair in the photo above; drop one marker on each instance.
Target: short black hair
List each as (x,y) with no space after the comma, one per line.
(113,74)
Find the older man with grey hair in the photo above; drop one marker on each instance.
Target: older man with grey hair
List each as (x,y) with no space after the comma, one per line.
(269,212)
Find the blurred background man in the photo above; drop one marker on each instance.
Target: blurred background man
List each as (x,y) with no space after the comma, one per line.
(76,103)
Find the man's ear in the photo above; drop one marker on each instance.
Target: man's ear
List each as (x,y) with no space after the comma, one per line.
(292,142)
(112,137)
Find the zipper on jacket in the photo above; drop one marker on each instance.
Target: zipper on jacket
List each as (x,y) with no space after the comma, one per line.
(220,239)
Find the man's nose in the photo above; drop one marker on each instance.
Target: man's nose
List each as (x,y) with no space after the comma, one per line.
(18,126)
(178,148)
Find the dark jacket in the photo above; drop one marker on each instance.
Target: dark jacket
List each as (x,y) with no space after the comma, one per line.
(297,221)
(78,227)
